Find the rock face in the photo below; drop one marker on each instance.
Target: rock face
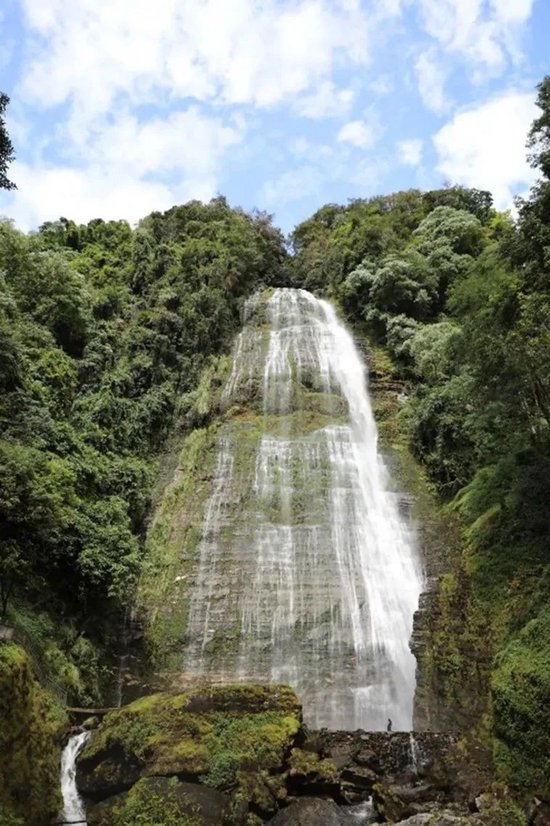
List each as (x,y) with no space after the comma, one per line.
(239,756)
(312,811)
(291,559)
(225,738)
(31,729)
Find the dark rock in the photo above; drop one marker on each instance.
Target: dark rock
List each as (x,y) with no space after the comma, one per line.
(441,818)
(367,757)
(309,775)
(311,811)
(205,806)
(397,802)
(360,777)
(539,814)
(393,753)
(228,736)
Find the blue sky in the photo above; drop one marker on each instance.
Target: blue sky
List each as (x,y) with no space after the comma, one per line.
(121,107)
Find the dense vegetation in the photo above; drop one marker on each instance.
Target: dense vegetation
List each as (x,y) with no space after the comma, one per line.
(459,295)
(105,331)
(103,334)
(7,154)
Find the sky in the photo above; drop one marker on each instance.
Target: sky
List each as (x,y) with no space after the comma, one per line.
(122,107)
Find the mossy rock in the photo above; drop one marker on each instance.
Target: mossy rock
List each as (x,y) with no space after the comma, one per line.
(521,706)
(31,727)
(225,737)
(162,801)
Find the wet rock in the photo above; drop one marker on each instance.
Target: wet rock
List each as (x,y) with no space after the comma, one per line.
(359,777)
(312,811)
(226,736)
(539,814)
(309,775)
(367,757)
(206,807)
(397,802)
(441,818)
(90,723)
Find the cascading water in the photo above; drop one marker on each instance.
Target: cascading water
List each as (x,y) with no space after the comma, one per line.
(305,572)
(73,808)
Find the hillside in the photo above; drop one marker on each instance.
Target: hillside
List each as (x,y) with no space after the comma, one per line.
(113,347)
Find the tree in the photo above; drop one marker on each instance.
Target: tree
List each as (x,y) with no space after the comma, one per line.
(7,154)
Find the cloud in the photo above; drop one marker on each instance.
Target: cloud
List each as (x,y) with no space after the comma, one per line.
(431,77)
(83,194)
(486,35)
(484,146)
(111,175)
(187,142)
(410,151)
(358,133)
(142,92)
(241,52)
(326,101)
(294,185)
(381,86)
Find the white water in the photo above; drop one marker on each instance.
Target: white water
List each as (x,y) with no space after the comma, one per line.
(416,763)
(306,573)
(362,814)
(73,809)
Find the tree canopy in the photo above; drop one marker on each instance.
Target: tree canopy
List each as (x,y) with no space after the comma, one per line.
(7,154)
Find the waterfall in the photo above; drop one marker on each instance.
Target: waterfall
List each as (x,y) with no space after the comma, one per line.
(305,572)
(414,750)
(73,809)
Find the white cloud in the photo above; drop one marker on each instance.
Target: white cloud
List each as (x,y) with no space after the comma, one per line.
(237,52)
(484,146)
(410,151)
(381,86)
(110,175)
(188,142)
(114,69)
(326,101)
(358,133)
(82,194)
(431,81)
(293,185)
(486,35)
(302,147)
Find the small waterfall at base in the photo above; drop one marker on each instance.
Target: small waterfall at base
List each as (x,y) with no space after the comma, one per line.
(415,757)
(305,572)
(73,808)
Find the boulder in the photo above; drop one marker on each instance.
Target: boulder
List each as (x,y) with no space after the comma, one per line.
(441,818)
(311,811)
(166,799)
(235,737)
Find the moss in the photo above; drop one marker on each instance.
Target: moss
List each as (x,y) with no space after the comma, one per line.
(307,763)
(233,738)
(154,802)
(171,548)
(208,732)
(521,707)
(30,741)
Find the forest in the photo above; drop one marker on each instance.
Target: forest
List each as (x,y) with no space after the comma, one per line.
(106,330)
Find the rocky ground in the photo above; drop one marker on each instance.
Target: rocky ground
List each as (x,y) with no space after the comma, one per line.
(240,756)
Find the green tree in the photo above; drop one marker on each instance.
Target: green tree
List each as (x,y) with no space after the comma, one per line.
(7,154)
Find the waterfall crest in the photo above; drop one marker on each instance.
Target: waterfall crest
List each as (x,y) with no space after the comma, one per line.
(305,572)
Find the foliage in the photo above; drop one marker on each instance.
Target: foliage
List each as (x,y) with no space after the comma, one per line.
(144,806)
(459,294)
(6,147)
(103,329)
(29,761)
